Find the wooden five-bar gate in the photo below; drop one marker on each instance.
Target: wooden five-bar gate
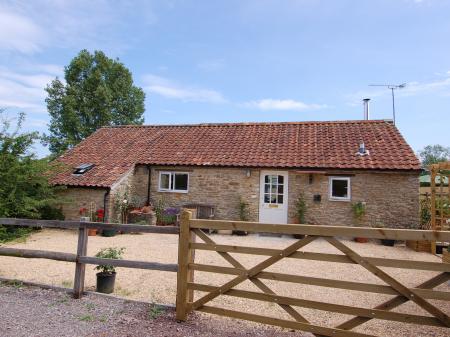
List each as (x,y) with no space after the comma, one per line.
(191,229)
(420,294)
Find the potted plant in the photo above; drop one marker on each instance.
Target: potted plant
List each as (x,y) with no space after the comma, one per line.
(385,242)
(359,210)
(388,242)
(97,217)
(244,215)
(446,255)
(300,208)
(106,277)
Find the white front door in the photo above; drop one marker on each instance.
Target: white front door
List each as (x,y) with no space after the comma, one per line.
(273,204)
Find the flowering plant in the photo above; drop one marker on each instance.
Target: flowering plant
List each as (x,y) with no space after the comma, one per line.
(83,211)
(100,214)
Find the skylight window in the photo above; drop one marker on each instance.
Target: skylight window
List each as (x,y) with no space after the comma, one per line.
(82,169)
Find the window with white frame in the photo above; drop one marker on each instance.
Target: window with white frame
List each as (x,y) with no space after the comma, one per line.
(173,181)
(340,188)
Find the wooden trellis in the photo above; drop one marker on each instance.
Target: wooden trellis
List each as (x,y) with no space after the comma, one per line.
(420,294)
(440,199)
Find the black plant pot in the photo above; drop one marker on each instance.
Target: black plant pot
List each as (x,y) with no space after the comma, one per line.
(105,282)
(388,242)
(109,232)
(439,249)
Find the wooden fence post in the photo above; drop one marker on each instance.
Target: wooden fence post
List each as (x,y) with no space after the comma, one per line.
(184,275)
(80,268)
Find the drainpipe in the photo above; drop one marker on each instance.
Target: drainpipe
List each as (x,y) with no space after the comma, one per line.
(105,198)
(149,185)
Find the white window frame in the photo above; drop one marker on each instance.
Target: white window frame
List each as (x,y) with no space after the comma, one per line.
(171,188)
(330,188)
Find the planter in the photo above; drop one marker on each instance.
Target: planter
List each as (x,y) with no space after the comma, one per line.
(105,282)
(92,232)
(419,246)
(240,233)
(225,231)
(362,240)
(446,256)
(388,242)
(440,249)
(109,232)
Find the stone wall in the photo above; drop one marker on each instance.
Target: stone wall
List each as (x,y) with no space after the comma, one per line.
(392,199)
(221,187)
(74,198)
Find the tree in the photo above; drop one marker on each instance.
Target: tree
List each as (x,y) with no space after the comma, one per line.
(98,91)
(24,188)
(432,154)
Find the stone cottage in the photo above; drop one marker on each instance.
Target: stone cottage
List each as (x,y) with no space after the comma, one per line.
(330,166)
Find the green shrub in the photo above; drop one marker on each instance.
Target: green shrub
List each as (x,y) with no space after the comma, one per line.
(244,212)
(10,233)
(300,206)
(359,210)
(109,253)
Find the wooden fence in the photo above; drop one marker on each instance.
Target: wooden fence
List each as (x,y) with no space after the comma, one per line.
(190,229)
(80,258)
(420,294)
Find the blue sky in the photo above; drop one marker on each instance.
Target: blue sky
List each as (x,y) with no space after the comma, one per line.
(232,61)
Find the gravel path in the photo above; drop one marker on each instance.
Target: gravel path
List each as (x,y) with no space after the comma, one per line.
(160,287)
(33,312)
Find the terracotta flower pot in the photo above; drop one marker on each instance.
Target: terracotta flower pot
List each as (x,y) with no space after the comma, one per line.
(92,232)
(362,240)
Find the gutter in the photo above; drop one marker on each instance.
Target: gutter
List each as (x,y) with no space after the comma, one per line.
(105,198)
(149,185)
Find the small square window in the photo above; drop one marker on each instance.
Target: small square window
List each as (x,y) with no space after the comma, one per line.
(339,188)
(173,182)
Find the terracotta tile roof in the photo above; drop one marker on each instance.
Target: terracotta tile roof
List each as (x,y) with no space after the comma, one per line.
(312,145)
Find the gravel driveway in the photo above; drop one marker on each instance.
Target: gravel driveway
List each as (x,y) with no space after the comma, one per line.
(32,312)
(160,287)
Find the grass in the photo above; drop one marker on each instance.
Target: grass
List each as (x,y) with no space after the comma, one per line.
(90,306)
(123,292)
(67,284)
(13,283)
(87,318)
(155,311)
(63,300)
(9,233)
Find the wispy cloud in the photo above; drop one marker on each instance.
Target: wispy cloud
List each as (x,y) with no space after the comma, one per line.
(282,104)
(25,90)
(169,89)
(70,24)
(438,86)
(19,33)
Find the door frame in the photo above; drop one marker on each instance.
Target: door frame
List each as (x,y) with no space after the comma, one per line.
(262,173)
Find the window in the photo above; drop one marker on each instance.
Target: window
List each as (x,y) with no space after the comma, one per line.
(82,169)
(273,189)
(173,182)
(339,188)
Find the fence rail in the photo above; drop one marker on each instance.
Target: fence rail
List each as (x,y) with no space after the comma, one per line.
(80,258)
(192,229)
